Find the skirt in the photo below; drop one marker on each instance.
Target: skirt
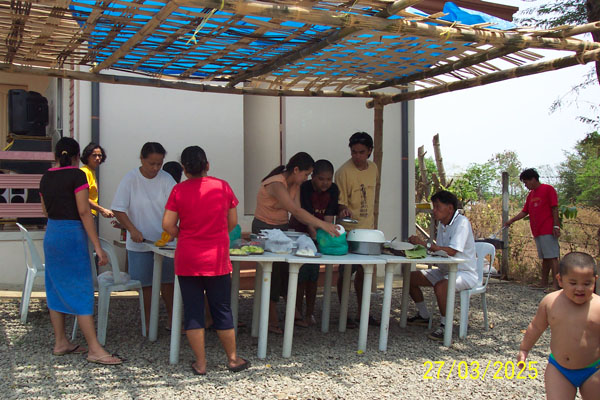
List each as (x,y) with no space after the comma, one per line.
(68,275)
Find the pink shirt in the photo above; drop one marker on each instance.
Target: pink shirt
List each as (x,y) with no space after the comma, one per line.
(203,243)
(539,205)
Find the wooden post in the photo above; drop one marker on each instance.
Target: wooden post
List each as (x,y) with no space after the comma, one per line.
(439,162)
(505,252)
(378,155)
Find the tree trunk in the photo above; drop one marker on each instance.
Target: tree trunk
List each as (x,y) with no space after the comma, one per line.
(439,162)
(424,187)
(593,14)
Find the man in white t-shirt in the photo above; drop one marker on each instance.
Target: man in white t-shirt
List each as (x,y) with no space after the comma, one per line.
(455,237)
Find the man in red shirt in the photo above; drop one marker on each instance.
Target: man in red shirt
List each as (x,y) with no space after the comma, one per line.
(542,207)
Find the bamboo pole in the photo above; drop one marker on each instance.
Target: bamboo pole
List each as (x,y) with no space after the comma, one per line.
(552,65)
(439,161)
(398,26)
(378,156)
(309,49)
(171,84)
(443,69)
(139,36)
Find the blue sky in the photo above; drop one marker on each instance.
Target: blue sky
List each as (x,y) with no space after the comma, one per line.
(512,115)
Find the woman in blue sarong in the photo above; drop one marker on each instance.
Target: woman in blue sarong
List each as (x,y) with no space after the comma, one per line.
(68,275)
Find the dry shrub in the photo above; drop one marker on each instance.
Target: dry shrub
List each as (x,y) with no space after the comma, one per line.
(579,234)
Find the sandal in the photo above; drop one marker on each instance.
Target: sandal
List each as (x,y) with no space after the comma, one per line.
(75,350)
(104,360)
(240,367)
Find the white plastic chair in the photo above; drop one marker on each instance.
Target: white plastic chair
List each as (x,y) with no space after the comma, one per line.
(482,250)
(35,267)
(118,282)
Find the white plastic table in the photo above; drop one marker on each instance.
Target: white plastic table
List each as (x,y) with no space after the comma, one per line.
(262,291)
(368,263)
(407,265)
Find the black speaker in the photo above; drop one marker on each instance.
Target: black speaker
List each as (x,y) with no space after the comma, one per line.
(27,113)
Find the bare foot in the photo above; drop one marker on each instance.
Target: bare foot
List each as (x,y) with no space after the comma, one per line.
(103,357)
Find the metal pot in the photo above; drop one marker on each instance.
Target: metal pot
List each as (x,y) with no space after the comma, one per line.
(365,241)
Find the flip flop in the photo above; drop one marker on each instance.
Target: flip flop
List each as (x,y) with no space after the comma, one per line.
(103,360)
(75,350)
(195,371)
(537,286)
(240,367)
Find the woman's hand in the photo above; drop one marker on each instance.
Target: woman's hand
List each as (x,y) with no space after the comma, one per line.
(102,258)
(106,213)
(414,239)
(345,212)
(136,236)
(331,229)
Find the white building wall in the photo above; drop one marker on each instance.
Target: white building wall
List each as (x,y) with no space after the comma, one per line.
(241,136)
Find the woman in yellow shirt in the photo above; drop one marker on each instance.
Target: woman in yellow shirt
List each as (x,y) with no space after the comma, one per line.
(93,155)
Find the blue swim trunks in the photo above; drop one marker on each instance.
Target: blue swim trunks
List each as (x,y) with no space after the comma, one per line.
(576,376)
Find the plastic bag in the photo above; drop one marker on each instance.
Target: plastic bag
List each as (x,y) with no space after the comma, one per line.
(306,246)
(235,234)
(335,246)
(277,241)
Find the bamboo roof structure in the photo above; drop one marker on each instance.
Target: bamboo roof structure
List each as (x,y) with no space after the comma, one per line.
(354,48)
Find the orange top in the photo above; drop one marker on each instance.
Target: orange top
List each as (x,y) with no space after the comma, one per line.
(268,208)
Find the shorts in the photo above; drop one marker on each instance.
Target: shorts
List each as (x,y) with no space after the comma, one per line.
(308,273)
(218,294)
(436,275)
(141,266)
(547,246)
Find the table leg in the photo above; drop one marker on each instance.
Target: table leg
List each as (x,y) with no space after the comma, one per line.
(450,304)
(387,305)
(256,299)
(263,329)
(290,309)
(156,278)
(176,323)
(364,308)
(235,292)
(345,296)
(406,269)
(326,298)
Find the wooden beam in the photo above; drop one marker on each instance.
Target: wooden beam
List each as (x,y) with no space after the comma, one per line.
(532,69)
(171,84)
(139,36)
(309,49)
(50,26)
(377,155)
(398,26)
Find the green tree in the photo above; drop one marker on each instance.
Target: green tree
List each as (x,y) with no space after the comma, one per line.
(509,161)
(580,173)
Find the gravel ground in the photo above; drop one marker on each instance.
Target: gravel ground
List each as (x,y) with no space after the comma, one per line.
(322,366)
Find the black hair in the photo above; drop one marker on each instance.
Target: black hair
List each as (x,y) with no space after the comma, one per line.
(89,149)
(446,197)
(529,173)
(175,169)
(361,138)
(576,259)
(322,166)
(301,160)
(64,151)
(193,159)
(152,148)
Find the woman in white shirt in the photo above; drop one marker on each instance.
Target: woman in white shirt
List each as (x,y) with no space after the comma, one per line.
(139,204)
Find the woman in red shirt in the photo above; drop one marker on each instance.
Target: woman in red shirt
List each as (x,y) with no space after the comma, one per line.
(206,210)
